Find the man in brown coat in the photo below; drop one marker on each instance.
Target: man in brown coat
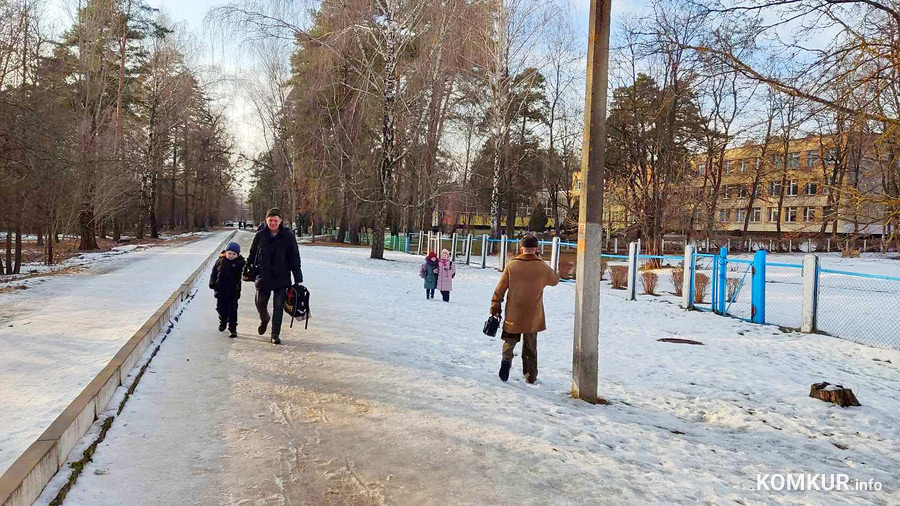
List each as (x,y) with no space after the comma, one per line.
(524,278)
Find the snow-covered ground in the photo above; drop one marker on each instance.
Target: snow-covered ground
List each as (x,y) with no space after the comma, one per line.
(389,398)
(57,335)
(31,271)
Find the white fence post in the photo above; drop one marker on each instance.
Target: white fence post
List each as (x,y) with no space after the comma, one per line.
(421,237)
(810,293)
(503,248)
(828,248)
(484,250)
(469,249)
(428,247)
(554,255)
(632,270)
(453,247)
(617,245)
(687,284)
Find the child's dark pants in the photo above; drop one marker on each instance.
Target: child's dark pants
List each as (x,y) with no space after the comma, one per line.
(227,307)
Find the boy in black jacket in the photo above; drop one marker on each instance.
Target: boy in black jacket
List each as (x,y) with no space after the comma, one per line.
(226,282)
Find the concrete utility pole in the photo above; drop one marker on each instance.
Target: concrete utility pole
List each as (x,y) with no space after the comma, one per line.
(590,218)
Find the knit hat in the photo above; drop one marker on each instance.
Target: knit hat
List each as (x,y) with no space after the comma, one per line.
(530,241)
(233,246)
(274,212)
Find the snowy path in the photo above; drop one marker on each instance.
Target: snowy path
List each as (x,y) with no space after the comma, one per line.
(57,335)
(391,399)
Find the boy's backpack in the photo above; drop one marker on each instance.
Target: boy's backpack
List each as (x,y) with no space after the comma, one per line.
(296,304)
(422,272)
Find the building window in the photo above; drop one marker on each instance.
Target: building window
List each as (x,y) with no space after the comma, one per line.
(831,155)
(812,188)
(755,215)
(812,158)
(793,188)
(726,168)
(773,214)
(774,188)
(578,185)
(724,215)
(777,161)
(758,192)
(743,165)
(793,160)
(828,212)
(790,215)
(743,192)
(740,215)
(726,192)
(809,213)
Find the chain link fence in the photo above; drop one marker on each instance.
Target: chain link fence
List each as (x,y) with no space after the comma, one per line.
(862,308)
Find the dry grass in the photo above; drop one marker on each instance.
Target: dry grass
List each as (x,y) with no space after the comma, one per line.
(566,269)
(676,275)
(649,280)
(603,266)
(701,287)
(618,276)
(850,252)
(732,284)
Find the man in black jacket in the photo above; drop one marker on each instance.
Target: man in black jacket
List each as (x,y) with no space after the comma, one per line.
(275,257)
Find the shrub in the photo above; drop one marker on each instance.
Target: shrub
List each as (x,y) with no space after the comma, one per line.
(701,286)
(850,252)
(618,276)
(676,275)
(733,284)
(649,279)
(566,269)
(603,266)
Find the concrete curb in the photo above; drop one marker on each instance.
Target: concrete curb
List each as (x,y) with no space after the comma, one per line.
(23,482)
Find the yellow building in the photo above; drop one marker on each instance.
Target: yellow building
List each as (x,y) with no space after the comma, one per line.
(805,176)
(810,193)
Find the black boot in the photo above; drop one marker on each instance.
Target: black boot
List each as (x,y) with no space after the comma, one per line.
(221,324)
(275,339)
(262,327)
(232,331)
(504,369)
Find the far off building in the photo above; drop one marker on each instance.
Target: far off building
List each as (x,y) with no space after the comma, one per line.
(814,186)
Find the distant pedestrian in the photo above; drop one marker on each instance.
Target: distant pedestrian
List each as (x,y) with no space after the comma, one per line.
(274,258)
(225,281)
(524,278)
(446,273)
(429,272)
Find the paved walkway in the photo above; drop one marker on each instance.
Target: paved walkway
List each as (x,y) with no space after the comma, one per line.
(392,399)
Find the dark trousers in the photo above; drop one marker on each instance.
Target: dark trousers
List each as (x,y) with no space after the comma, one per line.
(429,294)
(227,307)
(445,294)
(262,306)
(529,352)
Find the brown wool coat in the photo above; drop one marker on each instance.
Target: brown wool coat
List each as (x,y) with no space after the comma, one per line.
(524,278)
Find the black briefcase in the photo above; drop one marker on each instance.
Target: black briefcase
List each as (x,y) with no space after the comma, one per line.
(491,326)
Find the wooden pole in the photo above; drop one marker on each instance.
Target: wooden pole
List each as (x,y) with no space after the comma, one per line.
(590,218)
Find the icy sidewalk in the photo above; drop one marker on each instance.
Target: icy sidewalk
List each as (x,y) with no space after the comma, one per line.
(389,398)
(55,336)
